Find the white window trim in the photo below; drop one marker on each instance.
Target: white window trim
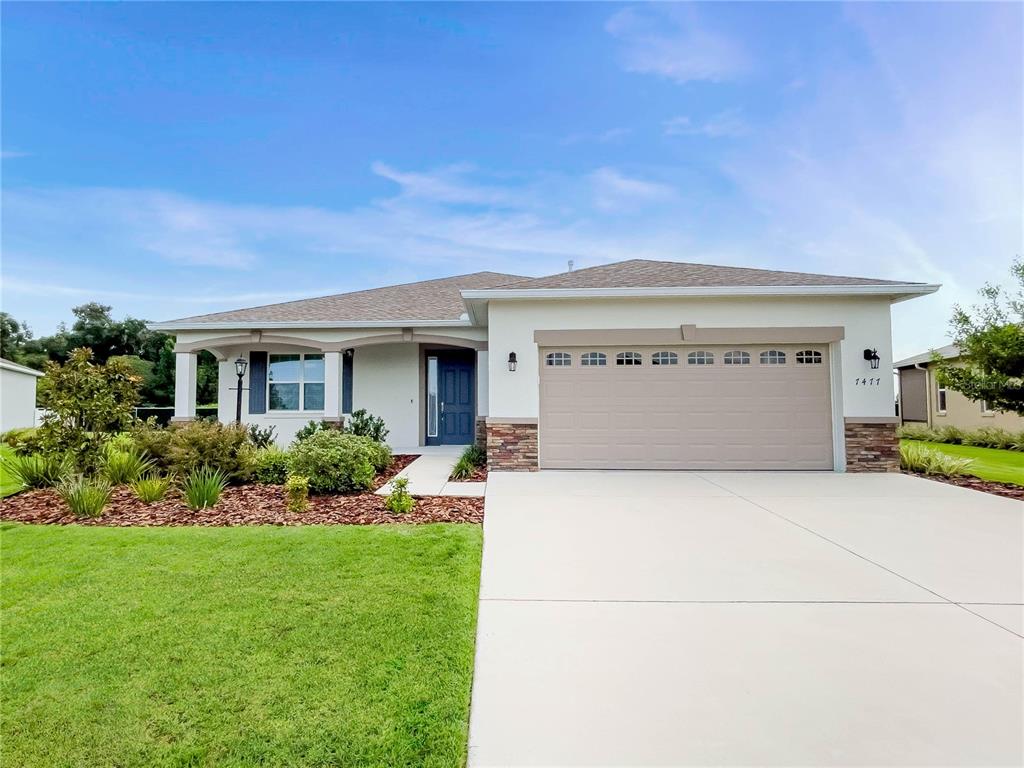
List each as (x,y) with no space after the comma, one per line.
(700,357)
(593,359)
(301,382)
(664,357)
(736,357)
(941,394)
(985,410)
(558,359)
(629,359)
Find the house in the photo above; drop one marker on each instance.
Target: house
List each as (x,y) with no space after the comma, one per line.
(924,400)
(17,395)
(638,364)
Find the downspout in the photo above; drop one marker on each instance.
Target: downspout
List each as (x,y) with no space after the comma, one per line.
(927,391)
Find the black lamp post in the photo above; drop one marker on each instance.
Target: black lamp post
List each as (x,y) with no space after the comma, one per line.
(240,365)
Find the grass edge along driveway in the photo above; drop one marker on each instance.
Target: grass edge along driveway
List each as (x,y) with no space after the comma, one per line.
(340,645)
(989,463)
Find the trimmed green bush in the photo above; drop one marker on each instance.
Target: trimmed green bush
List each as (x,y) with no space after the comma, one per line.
(123,467)
(150,438)
(197,444)
(84,497)
(38,470)
(336,462)
(151,487)
(400,501)
(24,441)
(312,428)
(296,489)
(269,466)
(202,487)
(367,425)
(471,459)
(915,457)
(261,437)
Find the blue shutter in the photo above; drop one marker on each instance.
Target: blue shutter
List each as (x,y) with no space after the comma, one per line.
(346,380)
(257,382)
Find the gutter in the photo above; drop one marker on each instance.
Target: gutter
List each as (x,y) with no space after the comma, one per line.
(174,325)
(900,291)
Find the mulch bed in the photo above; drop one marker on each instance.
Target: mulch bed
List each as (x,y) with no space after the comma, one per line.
(247,505)
(1008,490)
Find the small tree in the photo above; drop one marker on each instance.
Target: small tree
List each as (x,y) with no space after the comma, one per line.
(84,403)
(991,341)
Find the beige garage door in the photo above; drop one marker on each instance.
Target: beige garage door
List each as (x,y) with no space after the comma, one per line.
(736,407)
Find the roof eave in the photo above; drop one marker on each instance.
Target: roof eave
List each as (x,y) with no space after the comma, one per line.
(895,292)
(222,325)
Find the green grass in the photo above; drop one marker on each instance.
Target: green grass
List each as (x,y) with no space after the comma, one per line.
(341,645)
(8,485)
(989,463)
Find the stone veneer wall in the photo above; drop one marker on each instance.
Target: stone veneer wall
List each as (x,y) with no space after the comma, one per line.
(872,446)
(511,446)
(481,432)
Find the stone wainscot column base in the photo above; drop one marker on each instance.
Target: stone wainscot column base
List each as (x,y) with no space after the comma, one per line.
(511,444)
(871,444)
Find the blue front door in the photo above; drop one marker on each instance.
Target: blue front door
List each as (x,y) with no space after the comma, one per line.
(456,401)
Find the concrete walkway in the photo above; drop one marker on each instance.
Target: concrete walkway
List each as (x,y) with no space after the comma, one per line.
(658,618)
(428,475)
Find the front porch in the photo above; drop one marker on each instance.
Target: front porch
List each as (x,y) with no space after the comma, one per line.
(430,389)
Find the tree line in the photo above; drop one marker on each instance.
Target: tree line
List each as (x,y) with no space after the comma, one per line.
(149,353)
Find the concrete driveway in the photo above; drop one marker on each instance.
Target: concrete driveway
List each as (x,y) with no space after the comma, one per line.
(663,618)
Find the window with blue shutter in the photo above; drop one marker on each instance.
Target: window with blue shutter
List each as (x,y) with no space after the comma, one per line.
(257,382)
(347,358)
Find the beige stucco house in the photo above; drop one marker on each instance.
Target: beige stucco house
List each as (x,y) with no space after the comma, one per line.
(923,400)
(17,395)
(638,364)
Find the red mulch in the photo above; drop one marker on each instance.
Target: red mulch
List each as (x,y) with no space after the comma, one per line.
(247,505)
(1008,490)
(398,462)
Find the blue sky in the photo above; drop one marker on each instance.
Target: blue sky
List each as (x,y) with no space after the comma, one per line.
(172,159)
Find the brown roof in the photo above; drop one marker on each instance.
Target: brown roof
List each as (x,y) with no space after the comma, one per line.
(641,273)
(426,300)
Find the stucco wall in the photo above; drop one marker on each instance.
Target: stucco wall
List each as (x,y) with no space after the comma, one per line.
(866,320)
(967,414)
(385,382)
(17,400)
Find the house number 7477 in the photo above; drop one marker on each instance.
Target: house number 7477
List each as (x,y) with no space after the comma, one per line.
(868,382)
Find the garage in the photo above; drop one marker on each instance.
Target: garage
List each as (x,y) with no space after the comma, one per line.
(686,407)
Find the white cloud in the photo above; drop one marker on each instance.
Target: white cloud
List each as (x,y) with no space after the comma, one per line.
(614,191)
(11,154)
(601,137)
(669,41)
(726,124)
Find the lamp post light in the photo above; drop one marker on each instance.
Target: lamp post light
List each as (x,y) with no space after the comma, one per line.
(871,355)
(512,361)
(240,365)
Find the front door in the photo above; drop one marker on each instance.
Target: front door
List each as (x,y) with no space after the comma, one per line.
(456,406)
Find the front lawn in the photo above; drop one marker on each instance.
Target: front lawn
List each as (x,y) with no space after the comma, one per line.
(989,463)
(8,485)
(338,645)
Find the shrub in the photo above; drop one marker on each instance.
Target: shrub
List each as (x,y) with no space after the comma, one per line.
(952,435)
(269,466)
(399,500)
(986,437)
(84,497)
(210,444)
(471,459)
(313,428)
(152,487)
(296,489)
(261,437)
(37,471)
(916,432)
(336,462)
(123,467)
(367,425)
(203,486)
(150,438)
(920,458)
(992,437)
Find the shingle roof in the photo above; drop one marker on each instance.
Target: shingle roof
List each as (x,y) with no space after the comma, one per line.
(948,352)
(426,300)
(641,273)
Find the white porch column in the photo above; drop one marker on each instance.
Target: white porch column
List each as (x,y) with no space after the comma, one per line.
(184,386)
(332,386)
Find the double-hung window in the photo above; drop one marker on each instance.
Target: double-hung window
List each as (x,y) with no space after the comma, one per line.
(295,382)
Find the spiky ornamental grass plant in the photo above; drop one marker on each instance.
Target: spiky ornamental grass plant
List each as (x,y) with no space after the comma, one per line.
(37,471)
(471,459)
(123,466)
(152,487)
(920,458)
(202,487)
(85,497)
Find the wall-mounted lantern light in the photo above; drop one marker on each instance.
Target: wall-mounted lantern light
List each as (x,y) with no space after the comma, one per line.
(240,365)
(871,355)
(511,361)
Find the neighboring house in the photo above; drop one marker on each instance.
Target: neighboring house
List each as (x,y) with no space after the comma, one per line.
(639,364)
(923,400)
(17,395)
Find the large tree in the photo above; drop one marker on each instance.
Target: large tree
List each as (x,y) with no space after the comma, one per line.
(991,341)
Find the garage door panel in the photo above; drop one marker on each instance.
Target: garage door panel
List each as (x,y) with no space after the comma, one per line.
(687,416)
